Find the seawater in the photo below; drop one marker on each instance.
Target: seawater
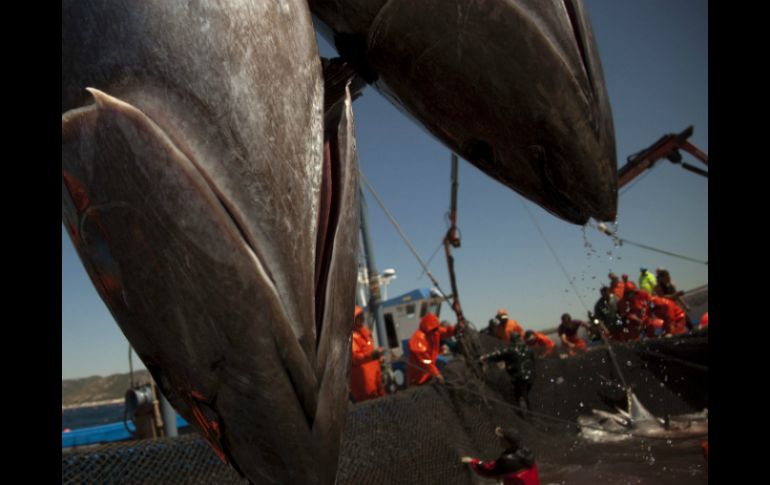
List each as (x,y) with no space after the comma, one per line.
(88,416)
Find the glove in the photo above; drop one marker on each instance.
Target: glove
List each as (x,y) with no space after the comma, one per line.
(376,353)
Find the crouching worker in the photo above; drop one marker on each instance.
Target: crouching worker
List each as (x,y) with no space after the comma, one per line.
(520,363)
(515,466)
(365,374)
(540,343)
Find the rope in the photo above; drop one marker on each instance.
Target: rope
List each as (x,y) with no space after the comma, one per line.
(650,248)
(566,275)
(401,233)
(601,228)
(486,398)
(547,416)
(440,245)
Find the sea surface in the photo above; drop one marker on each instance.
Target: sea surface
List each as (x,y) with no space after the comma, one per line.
(88,416)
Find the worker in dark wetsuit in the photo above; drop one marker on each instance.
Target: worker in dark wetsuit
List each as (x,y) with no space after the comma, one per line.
(520,363)
(515,466)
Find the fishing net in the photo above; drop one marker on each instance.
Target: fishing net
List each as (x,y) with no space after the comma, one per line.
(186,459)
(420,434)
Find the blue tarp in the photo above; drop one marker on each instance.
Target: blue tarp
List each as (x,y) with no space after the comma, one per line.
(103,434)
(414,295)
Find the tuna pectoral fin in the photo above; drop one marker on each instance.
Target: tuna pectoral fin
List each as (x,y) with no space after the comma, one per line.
(188,292)
(337,294)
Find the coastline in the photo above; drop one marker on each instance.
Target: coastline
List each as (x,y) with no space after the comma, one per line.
(91,404)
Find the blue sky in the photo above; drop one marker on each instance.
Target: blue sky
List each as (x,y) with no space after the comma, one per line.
(655,59)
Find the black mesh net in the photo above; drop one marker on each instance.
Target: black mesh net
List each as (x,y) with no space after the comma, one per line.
(420,434)
(187,459)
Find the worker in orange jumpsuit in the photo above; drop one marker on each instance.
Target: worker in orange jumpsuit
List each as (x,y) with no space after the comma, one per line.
(542,345)
(674,320)
(424,347)
(366,373)
(632,309)
(506,326)
(616,286)
(568,330)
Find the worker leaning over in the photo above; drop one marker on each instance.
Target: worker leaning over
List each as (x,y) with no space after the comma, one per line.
(540,343)
(366,374)
(617,287)
(424,347)
(505,326)
(673,316)
(568,330)
(520,364)
(515,466)
(632,309)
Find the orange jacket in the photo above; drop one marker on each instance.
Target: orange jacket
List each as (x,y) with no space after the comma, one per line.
(633,308)
(674,321)
(423,350)
(617,288)
(365,375)
(542,344)
(506,331)
(704,320)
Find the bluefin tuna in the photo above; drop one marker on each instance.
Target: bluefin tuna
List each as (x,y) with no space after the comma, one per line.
(209,182)
(513,86)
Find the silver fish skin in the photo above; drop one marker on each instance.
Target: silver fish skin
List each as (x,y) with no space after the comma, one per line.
(192,173)
(514,86)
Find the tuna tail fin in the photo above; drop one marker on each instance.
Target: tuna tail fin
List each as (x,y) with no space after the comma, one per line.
(635,408)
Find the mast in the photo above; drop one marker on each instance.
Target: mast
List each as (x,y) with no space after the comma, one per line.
(375,299)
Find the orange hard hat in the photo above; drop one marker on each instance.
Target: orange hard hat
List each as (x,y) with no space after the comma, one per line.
(502,311)
(358,311)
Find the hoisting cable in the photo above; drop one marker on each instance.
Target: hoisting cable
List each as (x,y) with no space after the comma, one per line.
(555,256)
(603,330)
(438,248)
(401,233)
(465,388)
(604,229)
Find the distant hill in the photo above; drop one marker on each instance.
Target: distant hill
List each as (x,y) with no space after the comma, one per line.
(98,388)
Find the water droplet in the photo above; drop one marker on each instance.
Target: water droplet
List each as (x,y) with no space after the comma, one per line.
(581,404)
(628,363)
